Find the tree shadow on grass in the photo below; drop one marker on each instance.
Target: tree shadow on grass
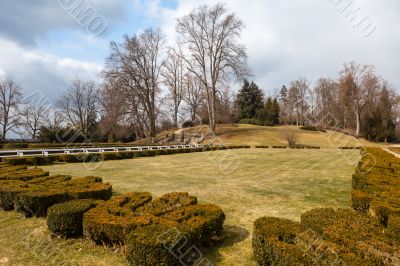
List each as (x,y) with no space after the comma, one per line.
(230,236)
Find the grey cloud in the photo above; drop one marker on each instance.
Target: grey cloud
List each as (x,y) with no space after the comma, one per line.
(25,21)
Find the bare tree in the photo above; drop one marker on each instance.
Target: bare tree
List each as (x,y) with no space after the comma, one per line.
(298,92)
(78,105)
(174,77)
(33,118)
(358,85)
(327,106)
(211,36)
(113,107)
(10,97)
(193,96)
(137,64)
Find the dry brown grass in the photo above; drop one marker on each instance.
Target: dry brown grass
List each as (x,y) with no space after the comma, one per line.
(247,184)
(234,134)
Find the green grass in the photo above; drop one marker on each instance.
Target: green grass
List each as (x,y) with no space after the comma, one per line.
(247,184)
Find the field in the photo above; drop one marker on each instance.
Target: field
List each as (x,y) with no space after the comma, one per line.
(247,184)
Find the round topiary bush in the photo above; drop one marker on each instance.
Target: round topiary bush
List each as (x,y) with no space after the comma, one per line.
(66,219)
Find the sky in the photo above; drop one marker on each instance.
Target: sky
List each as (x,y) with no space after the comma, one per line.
(44,44)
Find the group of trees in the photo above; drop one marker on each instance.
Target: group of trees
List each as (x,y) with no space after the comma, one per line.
(146,84)
(359,102)
(251,108)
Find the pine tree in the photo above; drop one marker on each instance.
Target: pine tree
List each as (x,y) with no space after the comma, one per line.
(249,101)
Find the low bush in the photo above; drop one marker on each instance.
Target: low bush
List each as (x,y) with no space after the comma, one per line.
(376,184)
(279,147)
(69,158)
(251,121)
(200,223)
(14,146)
(155,243)
(262,147)
(274,242)
(66,219)
(309,128)
(34,203)
(360,201)
(113,220)
(33,191)
(325,237)
(135,213)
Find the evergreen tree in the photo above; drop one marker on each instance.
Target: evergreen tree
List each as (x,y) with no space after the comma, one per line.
(380,125)
(249,101)
(269,116)
(284,101)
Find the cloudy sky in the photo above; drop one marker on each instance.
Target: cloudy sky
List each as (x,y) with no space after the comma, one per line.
(43,45)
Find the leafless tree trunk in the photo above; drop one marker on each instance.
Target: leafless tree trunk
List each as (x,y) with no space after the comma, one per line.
(298,92)
(211,36)
(193,95)
(79,105)
(33,118)
(10,97)
(359,85)
(174,77)
(137,64)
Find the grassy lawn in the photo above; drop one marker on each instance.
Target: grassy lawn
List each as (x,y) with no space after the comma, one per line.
(247,184)
(240,134)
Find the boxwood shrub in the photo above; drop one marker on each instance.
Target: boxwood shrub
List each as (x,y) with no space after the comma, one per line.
(274,242)
(325,237)
(144,225)
(66,219)
(33,191)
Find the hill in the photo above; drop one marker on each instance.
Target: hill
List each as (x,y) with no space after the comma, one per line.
(240,134)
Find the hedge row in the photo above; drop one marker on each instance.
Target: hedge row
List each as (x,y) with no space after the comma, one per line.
(24,145)
(367,235)
(325,237)
(292,147)
(33,191)
(95,157)
(350,148)
(376,184)
(151,230)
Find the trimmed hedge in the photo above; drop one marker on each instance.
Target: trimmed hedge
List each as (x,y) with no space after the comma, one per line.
(325,237)
(279,147)
(113,220)
(148,228)
(274,242)
(66,219)
(34,203)
(376,184)
(152,244)
(262,147)
(33,191)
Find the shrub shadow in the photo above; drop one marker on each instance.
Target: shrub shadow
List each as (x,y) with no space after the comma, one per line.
(230,236)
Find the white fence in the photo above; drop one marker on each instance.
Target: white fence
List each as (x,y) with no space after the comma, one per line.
(47,152)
